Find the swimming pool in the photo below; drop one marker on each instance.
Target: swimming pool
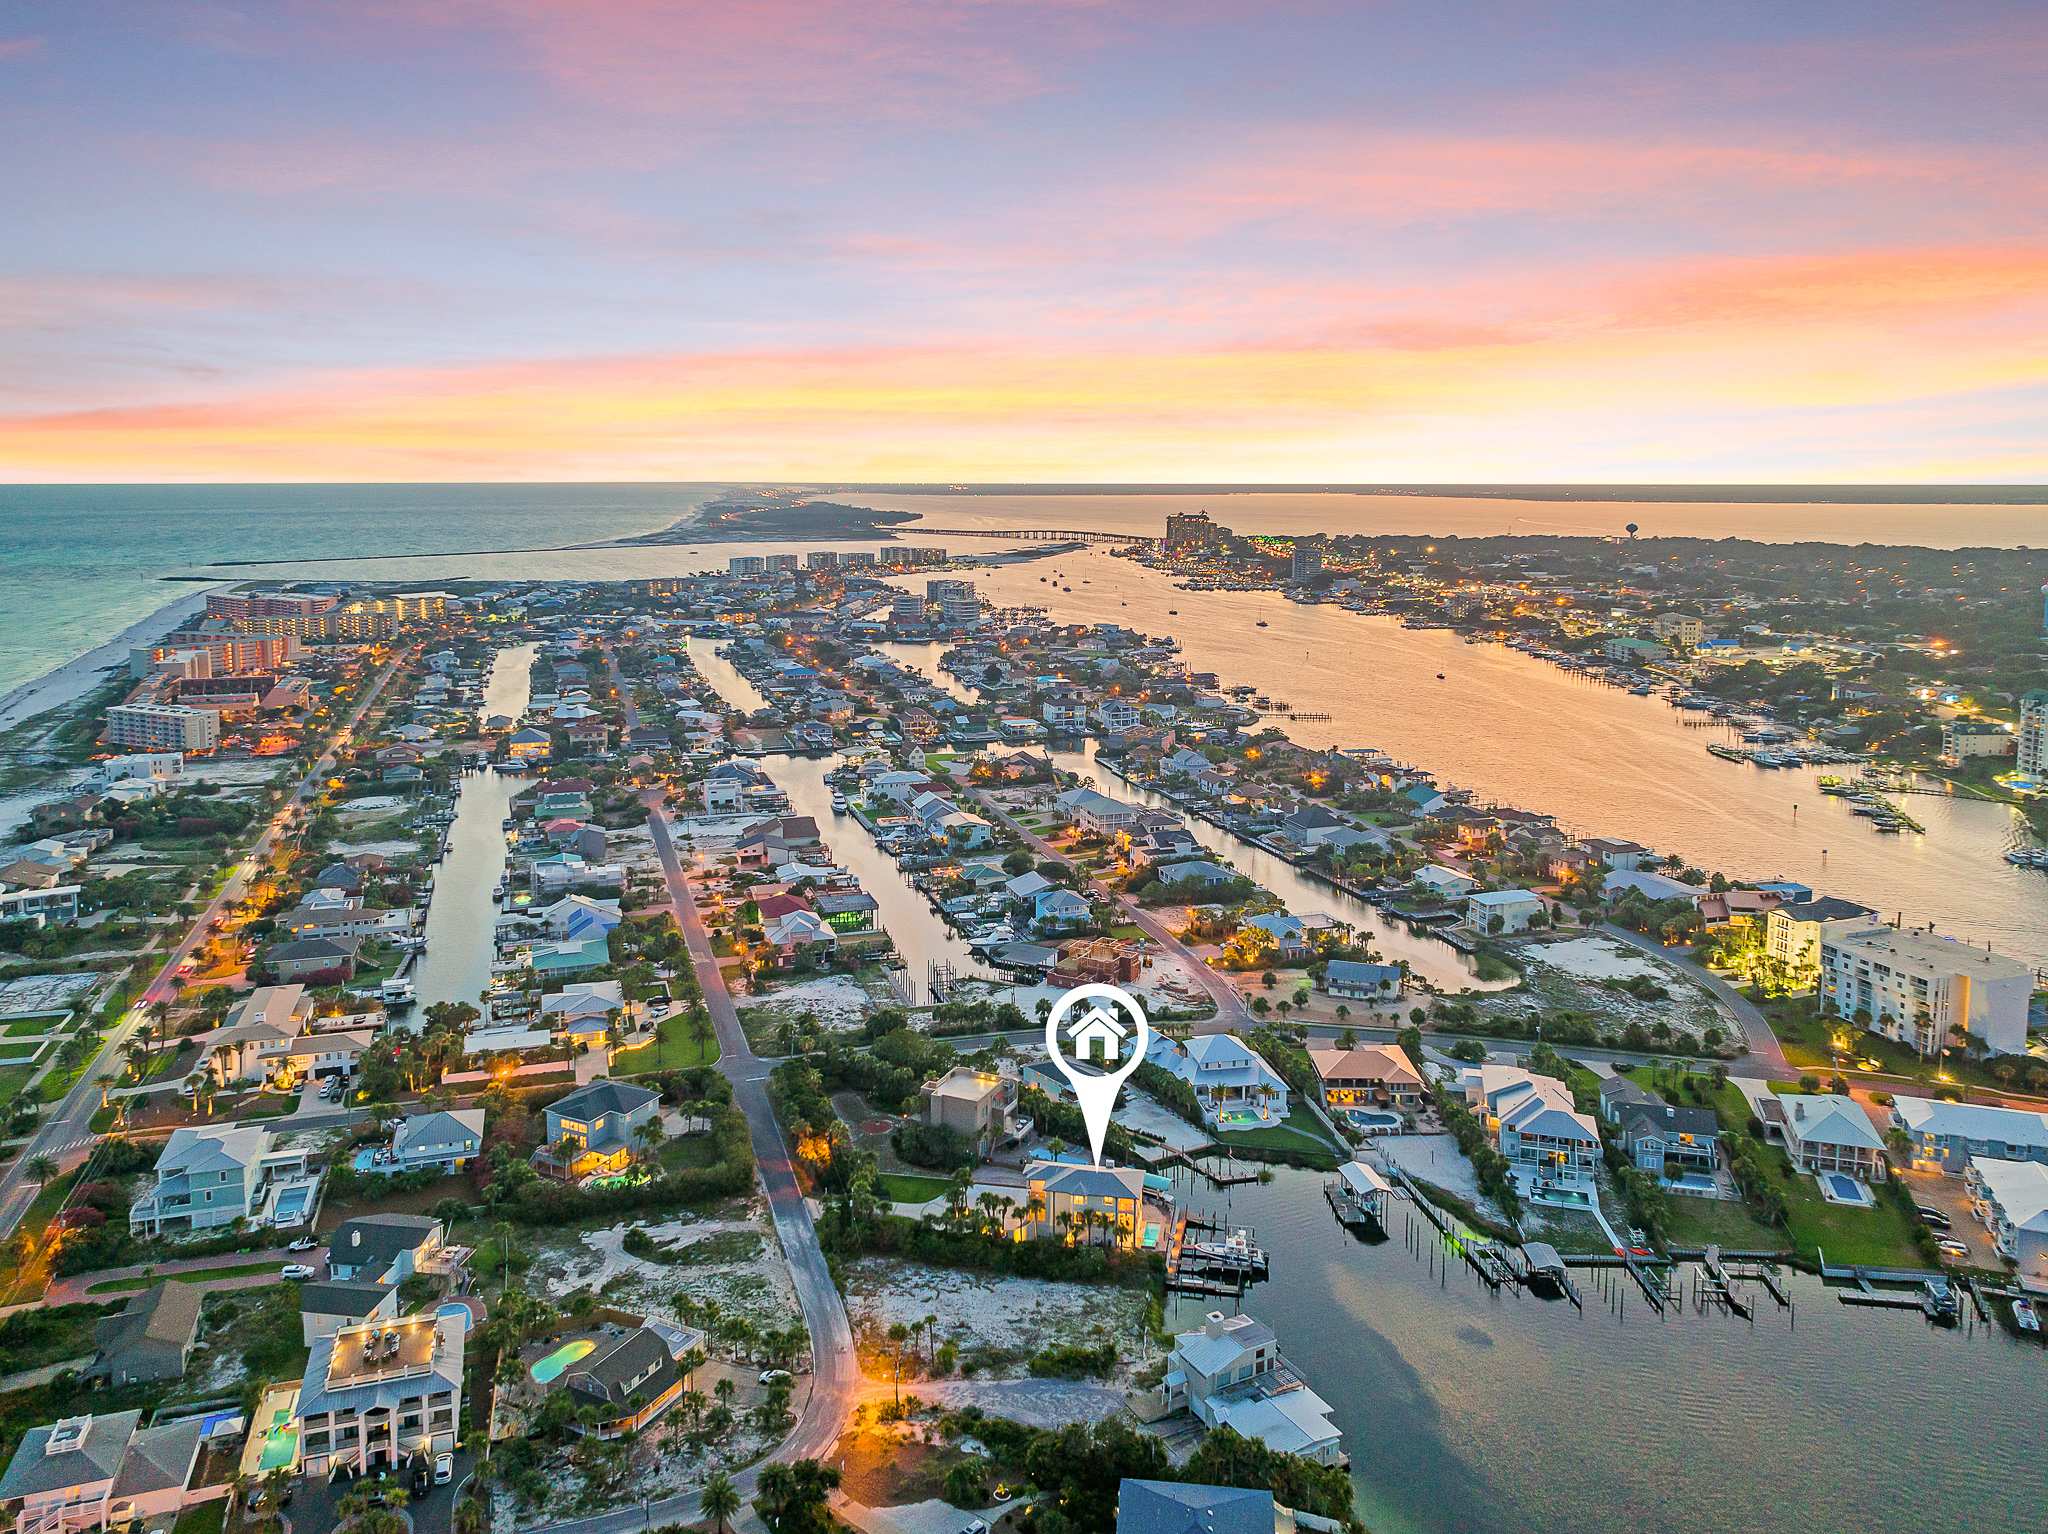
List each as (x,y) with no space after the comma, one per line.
(460,1311)
(1372,1120)
(280,1443)
(547,1370)
(1841,1188)
(1239,1118)
(291,1205)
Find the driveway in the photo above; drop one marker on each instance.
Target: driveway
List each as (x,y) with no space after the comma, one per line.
(315,1502)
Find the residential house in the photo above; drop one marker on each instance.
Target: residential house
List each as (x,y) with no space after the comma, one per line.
(1229,1372)
(445,1140)
(1619,855)
(1196,874)
(979,1105)
(1095,812)
(151,1338)
(1052,909)
(1365,1073)
(1180,1507)
(385,1248)
(1444,883)
(1287,934)
(103,1470)
(584,1011)
(1825,1132)
(1356,981)
(594,1129)
(2014,1195)
(213,1176)
(629,1377)
(1534,1120)
(1092,1205)
(1503,911)
(325,1307)
(313,958)
(1660,1138)
(377,1395)
(1233,1085)
(1952,1135)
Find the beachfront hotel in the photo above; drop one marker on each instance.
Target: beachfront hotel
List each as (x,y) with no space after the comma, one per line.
(162,727)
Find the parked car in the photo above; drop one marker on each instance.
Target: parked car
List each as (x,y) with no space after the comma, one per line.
(295,1270)
(444,1469)
(1952,1248)
(770,1376)
(1933,1217)
(303,1244)
(422,1479)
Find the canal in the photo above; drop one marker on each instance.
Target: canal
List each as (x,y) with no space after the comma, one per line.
(1521,731)
(462,917)
(1464,1411)
(1439,963)
(921,936)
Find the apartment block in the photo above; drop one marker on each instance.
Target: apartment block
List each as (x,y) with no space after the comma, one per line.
(162,727)
(1925,991)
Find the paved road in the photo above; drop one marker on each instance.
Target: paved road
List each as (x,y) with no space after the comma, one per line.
(1765,1053)
(1231,1012)
(836,1379)
(66,1134)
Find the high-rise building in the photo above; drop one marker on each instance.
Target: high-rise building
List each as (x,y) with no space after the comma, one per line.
(778,563)
(857,559)
(1194,530)
(239,607)
(2033,744)
(162,727)
(822,559)
(746,564)
(956,601)
(907,610)
(1307,562)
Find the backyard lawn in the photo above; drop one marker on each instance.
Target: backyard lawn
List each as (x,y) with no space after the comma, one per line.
(909,1188)
(1299,1133)
(198,1276)
(672,1049)
(1881,1236)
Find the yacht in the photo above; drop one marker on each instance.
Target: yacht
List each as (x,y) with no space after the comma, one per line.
(1233,1251)
(839,804)
(2026,1317)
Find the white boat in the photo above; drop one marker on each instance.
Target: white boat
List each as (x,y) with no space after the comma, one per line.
(839,804)
(1234,1251)
(2026,1317)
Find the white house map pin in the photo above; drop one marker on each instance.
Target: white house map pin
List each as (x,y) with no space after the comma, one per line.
(1101,1026)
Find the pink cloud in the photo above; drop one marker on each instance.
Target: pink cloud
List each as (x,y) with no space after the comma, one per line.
(19,47)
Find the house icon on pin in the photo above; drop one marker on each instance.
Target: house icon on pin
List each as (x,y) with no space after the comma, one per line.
(1097,1035)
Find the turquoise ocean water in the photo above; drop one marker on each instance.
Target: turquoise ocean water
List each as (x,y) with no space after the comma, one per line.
(80,563)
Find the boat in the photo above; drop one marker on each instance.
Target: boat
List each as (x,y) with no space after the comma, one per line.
(2026,1317)
(839,804)
(1263,624)
(1440,676)
(1173,612)
(1233,1251)
(1939,1302)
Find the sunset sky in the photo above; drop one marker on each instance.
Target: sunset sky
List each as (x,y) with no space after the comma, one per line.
(1023,240)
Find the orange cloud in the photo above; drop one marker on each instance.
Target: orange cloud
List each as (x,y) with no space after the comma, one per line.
(1655,372)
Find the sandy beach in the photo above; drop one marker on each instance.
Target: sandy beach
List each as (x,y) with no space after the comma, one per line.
(75,678)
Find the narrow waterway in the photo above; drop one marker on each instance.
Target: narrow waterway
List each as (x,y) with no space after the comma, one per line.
(1462,1410)
(462,916)
(1439,963)
(920,934)
(1520,731)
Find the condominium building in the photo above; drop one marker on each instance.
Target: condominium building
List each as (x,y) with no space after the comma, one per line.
(906,609)
(376,1395)
(241,607)
(1964,740)
(746,564)
(162,727)
(1681,629)
(1922,990)
(1792,935)
(822,559)
(779,564)
(2033,742)
(958,605)
(1306,562)
(1194,530)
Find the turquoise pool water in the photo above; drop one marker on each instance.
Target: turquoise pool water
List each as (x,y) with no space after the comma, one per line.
(280,1443)
(291,1206)
(549,1369)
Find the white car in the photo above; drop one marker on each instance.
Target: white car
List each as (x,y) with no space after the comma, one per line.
(770,1376)
(295,1270)
(1955,1249)
(303,1244)
(444,1469)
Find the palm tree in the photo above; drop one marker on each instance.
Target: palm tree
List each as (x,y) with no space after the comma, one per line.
(41,1168)
(720,1500)
(898,1332)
